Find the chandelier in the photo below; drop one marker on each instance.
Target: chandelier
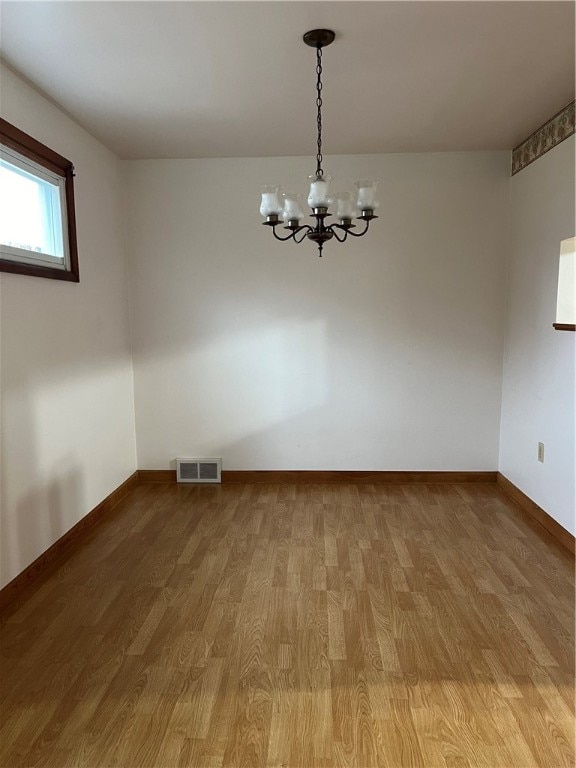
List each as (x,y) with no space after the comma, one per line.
(278,207)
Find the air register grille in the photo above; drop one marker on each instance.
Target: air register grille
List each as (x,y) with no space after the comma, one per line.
(198,470)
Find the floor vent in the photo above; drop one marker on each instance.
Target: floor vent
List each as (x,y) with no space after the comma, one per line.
(198,470)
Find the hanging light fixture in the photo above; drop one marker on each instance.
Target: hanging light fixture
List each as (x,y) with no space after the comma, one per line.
(278,207)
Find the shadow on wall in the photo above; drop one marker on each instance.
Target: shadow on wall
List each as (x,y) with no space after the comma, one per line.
(381,302)
(42,516)
(66,400)
(243,349)
(50,506)
(308,393)
(323,438)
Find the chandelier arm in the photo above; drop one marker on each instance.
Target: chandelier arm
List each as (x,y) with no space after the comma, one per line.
(358,234)
(293,233)
(282,239)
(307,229)
(333,228)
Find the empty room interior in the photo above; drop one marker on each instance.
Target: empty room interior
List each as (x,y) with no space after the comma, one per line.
(287,303)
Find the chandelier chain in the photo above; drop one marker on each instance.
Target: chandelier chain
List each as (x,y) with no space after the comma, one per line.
(319,158)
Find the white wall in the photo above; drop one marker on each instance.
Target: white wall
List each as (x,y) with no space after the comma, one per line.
(539,363)
(386,354)
(66,376)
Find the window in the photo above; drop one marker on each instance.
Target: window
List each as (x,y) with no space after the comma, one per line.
(566,305)
(37,221)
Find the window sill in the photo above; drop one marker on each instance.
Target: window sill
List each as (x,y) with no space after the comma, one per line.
(36,270)
(564,327)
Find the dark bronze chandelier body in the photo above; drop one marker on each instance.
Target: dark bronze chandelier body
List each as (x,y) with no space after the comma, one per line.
(290,213)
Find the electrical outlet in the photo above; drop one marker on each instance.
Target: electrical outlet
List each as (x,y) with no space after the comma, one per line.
(541,452)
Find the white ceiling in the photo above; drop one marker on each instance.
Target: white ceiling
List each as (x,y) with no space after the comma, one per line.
(221,79)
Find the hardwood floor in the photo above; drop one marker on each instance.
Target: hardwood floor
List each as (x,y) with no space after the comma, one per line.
(297,626)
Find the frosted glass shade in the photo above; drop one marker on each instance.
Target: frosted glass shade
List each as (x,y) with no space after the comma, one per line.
(319,191)
(292,208)
(271,201)
(366,195)
(345,206)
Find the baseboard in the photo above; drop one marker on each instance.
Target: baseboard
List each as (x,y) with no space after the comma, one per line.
(535,512)
(49,559)
(156,475)
(326,476)
(353,477)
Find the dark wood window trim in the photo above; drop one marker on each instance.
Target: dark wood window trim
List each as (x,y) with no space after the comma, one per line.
(26,145)
(564,327)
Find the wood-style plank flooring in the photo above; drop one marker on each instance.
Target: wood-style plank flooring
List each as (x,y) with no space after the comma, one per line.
(297,627)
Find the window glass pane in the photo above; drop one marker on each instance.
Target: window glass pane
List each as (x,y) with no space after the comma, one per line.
(30,212)
(37,220)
